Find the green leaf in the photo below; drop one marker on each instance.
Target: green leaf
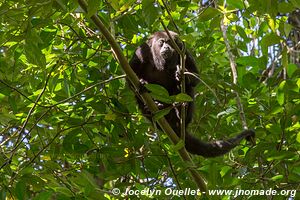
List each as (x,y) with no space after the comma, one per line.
(242,32)
(296,3)
(276,110)
(239,4)
(298,137)
(248,61)
(99,106)
(208,14)
(6,117)
(93,7)
(43,196)
(272,24)
(66,85)
(73,142)
(21,190)
(13,103)
(280,155)
(32,51)
(250,81)
(182,97)
(287,29)
(150,12)
(2,96)
(157,89)
(158,92)
(277,177)
(280,93)
(179,145)
(64,191)
(269,40)
(285,7)
(161,113)
(225,170)
(48,36)
(291,68)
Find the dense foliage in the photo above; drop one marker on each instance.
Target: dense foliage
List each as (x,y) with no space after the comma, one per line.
(70,127)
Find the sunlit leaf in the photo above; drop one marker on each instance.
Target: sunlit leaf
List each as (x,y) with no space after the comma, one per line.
(298,137)
(277,177)
(281,92)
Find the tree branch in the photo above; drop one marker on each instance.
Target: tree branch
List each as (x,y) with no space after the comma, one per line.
(234,74)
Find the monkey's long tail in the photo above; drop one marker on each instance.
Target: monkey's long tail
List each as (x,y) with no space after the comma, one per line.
(217,148)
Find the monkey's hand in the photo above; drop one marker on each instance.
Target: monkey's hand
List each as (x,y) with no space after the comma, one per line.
(160,105)
(178,75)
(142,88)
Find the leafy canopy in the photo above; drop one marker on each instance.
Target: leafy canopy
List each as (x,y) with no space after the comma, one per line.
(69,124)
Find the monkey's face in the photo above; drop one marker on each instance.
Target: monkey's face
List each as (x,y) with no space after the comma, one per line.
(163,53)
(162,49)
(165,49)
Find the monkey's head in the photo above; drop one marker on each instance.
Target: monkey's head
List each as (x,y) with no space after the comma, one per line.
(162,50)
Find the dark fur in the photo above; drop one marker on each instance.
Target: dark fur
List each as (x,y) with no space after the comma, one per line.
(157,62)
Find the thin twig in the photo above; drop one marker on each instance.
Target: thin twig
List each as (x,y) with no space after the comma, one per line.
(88,88)
(182,56)
(234,74)
(204,83)
(19,133)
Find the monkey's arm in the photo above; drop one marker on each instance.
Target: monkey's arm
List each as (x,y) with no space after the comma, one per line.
(136,62)
(141,56)
(139,60)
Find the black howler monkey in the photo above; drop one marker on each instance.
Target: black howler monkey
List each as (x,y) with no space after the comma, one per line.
(157,62)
